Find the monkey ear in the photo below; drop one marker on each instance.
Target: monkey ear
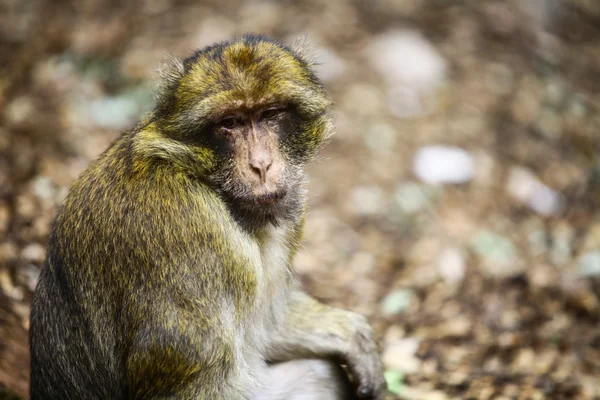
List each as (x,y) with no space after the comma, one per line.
(302,47)
(169,73)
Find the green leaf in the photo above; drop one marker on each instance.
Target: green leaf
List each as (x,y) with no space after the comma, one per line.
(396,302)
(395,381)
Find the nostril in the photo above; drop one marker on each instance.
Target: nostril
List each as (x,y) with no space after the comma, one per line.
(257,169)
(260,169)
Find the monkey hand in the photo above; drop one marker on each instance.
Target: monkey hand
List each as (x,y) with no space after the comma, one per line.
(363,360)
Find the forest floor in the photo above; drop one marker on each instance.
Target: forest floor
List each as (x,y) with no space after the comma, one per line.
(482,282)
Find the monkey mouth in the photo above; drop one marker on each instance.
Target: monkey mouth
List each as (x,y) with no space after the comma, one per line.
(270,198)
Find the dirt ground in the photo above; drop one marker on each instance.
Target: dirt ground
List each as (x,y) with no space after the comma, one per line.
(485,286)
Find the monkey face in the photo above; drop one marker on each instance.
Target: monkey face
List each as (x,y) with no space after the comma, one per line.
(251,139)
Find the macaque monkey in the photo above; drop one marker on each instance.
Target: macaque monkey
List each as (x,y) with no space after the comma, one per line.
(168,273)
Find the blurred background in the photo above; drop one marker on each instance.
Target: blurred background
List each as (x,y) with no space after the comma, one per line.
(457,206)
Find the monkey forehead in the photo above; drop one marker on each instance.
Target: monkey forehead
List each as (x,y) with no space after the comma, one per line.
(250,74)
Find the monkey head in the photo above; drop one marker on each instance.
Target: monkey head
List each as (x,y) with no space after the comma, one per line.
(245,117)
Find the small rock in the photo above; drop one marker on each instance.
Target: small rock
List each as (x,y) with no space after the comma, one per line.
(393,334)
(405,102)
(423,276)
(367,200)
(451,265)
(406,57)
(34,252)
(498,254)
(113,112)
(19,110)
(412,198)
(400,356)
(22,310)
(380,138)
(459,326)
(443,164)
(29,275)
(414,393)
(561,251)
(524,186)
(8,287)
(542,275)
(43,188)
(555,92)
(8,251)
(424,251)
(589,264)
(27,207)
(434,395)
(458,223)
(549,124)
(590,242)
(413,68)
(396,302)
(538,242)
(119,112)
(578,106)
(524,362)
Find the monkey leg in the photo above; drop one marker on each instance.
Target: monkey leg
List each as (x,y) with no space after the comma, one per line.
(307,379)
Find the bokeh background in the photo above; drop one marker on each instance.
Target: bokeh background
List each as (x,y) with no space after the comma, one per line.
(457,206)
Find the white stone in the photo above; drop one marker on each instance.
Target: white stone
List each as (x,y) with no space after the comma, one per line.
(589,264)
(406,57)
(411,198)
(412,68)
(443,164)
(367,200)
(113,112)
(524,186)
(400,356)
(451,265)
(380,138)
(43,188)
(33,252)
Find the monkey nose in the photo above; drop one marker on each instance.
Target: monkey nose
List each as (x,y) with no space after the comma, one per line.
(260,166)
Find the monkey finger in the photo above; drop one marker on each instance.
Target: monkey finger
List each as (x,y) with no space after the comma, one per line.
(367,372)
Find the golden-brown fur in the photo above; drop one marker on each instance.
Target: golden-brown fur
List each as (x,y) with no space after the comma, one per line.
(168,270)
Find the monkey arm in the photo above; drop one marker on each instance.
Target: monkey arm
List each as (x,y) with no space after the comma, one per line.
(171,358)
(176,350)
(312,329)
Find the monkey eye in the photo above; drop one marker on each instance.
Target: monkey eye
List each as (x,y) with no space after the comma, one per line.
(272,112)
(230,122)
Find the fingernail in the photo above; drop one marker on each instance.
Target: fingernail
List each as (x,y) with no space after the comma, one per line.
(364,391)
